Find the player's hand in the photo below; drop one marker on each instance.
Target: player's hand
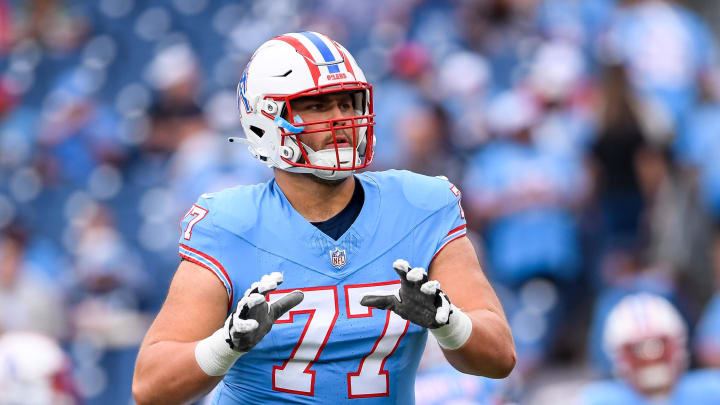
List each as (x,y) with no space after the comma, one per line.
(417,300)
(253,317)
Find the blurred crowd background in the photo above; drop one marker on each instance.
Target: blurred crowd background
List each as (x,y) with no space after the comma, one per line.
(584,134)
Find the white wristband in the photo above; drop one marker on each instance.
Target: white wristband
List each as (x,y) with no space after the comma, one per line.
(214,355)
(453,335)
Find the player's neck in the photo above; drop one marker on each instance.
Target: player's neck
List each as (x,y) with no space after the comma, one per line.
(315,201)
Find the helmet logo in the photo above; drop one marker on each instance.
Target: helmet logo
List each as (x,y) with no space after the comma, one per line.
(337,76)
(338,258)
(242,88)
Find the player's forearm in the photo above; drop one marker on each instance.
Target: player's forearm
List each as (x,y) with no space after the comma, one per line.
(489,351)
(168,373)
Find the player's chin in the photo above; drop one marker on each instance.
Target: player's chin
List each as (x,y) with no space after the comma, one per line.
(322,181)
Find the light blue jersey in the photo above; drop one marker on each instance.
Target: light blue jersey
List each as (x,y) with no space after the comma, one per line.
(442,385)
(329,348)
(700,387)
(707,334)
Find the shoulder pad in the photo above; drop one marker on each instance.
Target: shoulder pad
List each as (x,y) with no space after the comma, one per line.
(235,209)
(424,192)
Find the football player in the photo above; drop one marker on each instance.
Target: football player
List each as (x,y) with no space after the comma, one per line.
(320,285)
(646,340)
(34,370)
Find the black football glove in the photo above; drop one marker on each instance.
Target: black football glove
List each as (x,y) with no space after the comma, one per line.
(253,317)
(417,300)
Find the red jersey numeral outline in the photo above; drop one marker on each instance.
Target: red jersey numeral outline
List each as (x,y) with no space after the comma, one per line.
(388,335)
(199,213)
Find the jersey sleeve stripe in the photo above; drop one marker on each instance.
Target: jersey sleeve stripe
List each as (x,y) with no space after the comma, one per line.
(456,229)
(458,236)
(454,233)
(204,263)
(205,266)
(212,264)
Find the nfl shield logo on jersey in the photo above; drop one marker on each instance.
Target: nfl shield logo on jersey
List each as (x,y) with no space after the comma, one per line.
(337,257)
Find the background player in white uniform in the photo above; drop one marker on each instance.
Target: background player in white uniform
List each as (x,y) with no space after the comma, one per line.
(333,240)
(646,339)
(35,370)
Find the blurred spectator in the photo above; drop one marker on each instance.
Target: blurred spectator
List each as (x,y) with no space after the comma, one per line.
(412,76)
(556,72)
(624,164)
(557,78)
(209,160)
(627,271)
(28,299)
(668,51)
(436,26)
(175,114)
(646,339)
(35,370)
(58,24)
(697,146)
(523,197)
(108,303)
(463,87)
(575,21)
(18,128)
(707,335)
(438,383)
(77,133)
(412,61)
(174,117)
(424,136)
(641,200)
(8,100)
(519,192)
(6,27)
(678,230)
(501,30)
(205,163)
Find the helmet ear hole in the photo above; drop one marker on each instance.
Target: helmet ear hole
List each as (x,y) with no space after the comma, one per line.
(258,131)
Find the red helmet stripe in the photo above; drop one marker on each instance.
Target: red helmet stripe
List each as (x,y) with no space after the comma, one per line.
(300,48)
(348,66)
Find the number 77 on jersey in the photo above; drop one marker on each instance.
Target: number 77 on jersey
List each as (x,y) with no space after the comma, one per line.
(296,375)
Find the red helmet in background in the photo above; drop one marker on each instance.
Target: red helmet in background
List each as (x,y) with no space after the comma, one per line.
(646,339)
(34,370)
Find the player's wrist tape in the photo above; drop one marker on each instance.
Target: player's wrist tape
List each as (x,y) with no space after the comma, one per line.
(214,355)
(453,335)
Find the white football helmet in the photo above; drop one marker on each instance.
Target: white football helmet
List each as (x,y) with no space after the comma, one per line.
(296,65)
(34,370)
(646,337)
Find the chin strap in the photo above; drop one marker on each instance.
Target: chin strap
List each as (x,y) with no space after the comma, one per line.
(325,157)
